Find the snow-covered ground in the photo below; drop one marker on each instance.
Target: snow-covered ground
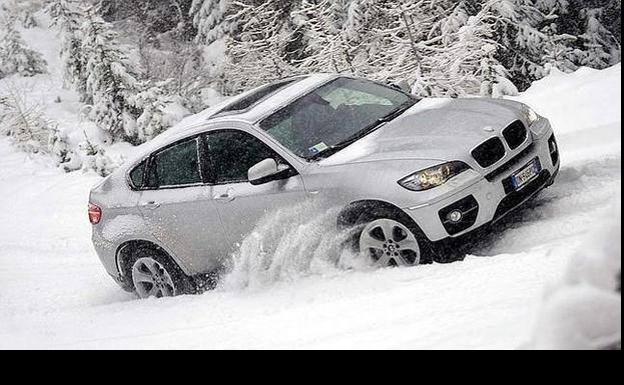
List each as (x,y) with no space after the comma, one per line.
(55,294)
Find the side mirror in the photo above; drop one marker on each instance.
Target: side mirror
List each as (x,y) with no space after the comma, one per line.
(266,171)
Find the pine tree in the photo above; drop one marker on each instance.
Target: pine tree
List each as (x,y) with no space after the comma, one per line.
(601,47)
(344,36)
(468,63)
(517,27)
(152,102)
(22,11)
(65,157)
(322,23)
(586,33)
(111,82)
(262,48)
(94,158)
(23,121)
(68,17)
(209,18)
(15,56)
(156,17)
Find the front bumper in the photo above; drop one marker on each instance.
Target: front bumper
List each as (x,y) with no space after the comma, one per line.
(490,198)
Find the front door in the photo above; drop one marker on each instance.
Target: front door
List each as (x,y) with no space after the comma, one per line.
(240,204)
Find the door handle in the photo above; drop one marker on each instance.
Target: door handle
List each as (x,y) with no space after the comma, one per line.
(225,197)
(151,205)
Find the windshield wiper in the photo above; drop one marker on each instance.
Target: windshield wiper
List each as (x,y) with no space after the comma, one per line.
(398,112)
(364,132)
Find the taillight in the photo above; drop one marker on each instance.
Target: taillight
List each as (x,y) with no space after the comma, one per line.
(95,214)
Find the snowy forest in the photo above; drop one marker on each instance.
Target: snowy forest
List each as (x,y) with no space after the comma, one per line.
(140,66)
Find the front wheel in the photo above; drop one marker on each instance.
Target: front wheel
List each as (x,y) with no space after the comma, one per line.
(389,242)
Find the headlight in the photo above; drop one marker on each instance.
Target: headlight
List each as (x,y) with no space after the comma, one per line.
(433,176)
(531,116)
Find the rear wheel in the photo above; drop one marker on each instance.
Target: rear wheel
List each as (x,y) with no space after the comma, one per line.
(155,275)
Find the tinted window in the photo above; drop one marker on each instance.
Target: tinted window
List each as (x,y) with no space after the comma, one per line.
(176,166)
(255,97)
(137,175)
(233,153)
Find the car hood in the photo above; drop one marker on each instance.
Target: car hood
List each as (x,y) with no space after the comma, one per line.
(433,129)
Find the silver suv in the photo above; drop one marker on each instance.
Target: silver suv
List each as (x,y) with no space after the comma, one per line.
(406,173)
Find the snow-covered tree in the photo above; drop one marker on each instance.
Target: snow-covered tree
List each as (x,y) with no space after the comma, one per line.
(463,60)
(406,45)
(322,22)
(22,11)
(186,68)
(153,101)
(68,18)
(588,33)
(344,36)
(64,155)
(23,121)
(600,45)
(111,81)
(209,18)
(262,47)
(389,40)
(152,17)
(94,157)
(15,56)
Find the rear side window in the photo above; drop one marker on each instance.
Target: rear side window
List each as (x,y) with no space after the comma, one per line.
(176,166)
(137,175)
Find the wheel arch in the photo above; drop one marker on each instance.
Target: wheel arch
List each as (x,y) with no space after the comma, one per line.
(351,214)
(371,209)
(126,250)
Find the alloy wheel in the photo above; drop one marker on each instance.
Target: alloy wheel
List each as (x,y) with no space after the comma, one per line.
(151,279)
(389,243)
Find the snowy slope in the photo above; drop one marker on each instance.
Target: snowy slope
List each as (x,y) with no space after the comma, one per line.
(46,90)
(55,294)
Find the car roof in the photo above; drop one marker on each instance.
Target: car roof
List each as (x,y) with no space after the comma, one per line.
(282,97)
(197,123)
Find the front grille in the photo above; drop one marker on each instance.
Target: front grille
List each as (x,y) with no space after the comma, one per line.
(516,198)
(469,207)
(489,152)
(554,149)
(515,134)
(512,163)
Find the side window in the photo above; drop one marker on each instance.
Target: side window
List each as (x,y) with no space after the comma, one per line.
(175,166)
(137,175)
(232,153)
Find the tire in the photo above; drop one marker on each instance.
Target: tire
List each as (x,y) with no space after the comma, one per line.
(154,274)
(390,239)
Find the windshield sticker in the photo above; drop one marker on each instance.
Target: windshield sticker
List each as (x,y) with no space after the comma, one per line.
(318,148)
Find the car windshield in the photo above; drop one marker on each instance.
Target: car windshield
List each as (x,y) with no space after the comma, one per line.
(334,116)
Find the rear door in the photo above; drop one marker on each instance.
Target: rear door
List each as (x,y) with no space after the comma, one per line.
(241,205)
(179,208)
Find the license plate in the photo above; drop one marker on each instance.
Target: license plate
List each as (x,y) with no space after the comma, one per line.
(527,174)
